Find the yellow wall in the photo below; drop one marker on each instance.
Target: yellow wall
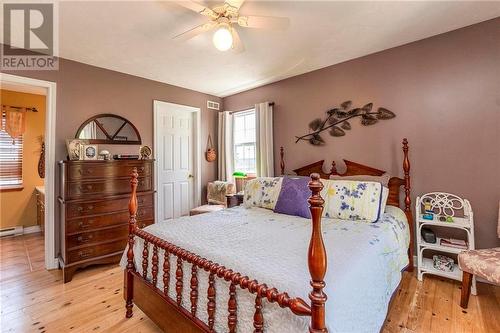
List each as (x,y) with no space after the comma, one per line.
(18,208)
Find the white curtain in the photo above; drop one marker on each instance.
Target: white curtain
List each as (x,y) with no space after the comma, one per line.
(225,149)
(265,146)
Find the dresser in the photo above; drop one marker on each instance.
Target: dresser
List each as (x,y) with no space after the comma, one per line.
(93,207)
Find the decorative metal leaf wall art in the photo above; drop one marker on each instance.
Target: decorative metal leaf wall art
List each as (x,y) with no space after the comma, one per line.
(337,121)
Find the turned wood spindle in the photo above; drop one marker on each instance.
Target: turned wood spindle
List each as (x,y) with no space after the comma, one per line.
(132,225)
(211,301)
(258,317)
(166,272)
(316,258)
(194,290)
(333,169)
(178,283)
(145,256)
(232,319)
(154,269)
(409,215)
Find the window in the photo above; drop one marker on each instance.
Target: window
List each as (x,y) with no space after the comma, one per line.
(11,160)
(244,142)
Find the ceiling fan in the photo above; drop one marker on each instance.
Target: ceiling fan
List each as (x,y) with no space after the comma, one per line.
(225,18)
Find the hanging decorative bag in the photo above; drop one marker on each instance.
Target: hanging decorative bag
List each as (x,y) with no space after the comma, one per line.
(211,154)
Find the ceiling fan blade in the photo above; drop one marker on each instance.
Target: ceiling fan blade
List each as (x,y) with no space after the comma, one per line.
(195,31)
(196,7)
(235,3)
(264,22)
(238,46)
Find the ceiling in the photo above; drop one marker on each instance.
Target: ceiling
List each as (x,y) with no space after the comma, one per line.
(136,38)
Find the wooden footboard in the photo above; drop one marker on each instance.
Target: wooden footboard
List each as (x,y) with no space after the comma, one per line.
(172,317)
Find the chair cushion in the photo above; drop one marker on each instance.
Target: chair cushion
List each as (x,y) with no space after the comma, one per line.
(206,209)
(484,263)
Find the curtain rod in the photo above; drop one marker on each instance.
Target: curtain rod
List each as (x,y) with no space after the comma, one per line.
(249,108)
(19,108)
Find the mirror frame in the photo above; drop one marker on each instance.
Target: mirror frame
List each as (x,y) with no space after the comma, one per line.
(109,140)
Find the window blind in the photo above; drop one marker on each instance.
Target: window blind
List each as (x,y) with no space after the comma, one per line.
(11,159)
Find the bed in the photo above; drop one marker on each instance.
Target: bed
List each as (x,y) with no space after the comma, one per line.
(188,275)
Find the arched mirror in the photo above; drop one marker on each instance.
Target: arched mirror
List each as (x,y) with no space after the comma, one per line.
(109,129)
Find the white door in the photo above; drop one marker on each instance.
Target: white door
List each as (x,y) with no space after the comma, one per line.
(175,129)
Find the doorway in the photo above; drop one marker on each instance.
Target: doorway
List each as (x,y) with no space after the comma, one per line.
(178,160)
(48,89)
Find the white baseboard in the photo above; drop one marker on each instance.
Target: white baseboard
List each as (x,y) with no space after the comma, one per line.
(32,229)
(17,231)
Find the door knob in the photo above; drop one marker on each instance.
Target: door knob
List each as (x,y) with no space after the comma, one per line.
(190,176)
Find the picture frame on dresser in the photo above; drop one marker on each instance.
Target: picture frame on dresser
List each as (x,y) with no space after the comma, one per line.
(93,210)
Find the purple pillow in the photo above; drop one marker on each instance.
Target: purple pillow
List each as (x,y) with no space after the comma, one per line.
(293,197)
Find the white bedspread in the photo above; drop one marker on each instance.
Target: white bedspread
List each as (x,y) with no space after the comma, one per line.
(364,264)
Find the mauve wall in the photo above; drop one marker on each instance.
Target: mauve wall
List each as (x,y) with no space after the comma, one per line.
(445,91)
(84,91)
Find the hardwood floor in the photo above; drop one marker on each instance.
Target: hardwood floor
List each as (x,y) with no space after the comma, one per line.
(36,300)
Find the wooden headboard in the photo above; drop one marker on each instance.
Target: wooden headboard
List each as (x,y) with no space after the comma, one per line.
(356,169)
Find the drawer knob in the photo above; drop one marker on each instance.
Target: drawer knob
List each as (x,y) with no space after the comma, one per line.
(82,239)
(84,254)
(81,208)
(83,225)
(88,187)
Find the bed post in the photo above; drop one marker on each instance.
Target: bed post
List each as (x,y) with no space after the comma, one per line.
(129,273)
(409,215)
(282,161)
(317,258)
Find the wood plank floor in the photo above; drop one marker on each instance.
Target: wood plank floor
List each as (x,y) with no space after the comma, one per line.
(36,300)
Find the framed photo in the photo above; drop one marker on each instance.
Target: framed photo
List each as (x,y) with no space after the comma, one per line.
(89,152)
(74,148)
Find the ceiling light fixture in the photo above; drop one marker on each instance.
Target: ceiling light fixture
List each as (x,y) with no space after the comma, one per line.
(223,38)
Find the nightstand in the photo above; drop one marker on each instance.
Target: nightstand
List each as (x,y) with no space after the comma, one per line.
(234,200)
(443,204)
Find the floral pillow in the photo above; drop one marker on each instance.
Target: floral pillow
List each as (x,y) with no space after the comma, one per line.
(262,192)
(354,200)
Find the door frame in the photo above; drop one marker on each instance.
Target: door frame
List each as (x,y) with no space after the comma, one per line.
(197,154)
(51,260)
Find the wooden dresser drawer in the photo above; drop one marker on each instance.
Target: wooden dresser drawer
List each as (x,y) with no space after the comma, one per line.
(100,221)
(105,187)
(78,209)
(93,251)
(91,170)
(99,236)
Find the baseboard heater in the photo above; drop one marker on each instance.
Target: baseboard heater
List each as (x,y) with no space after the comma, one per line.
(17,231)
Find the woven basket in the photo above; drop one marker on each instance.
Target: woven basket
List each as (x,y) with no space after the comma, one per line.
(211,154)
